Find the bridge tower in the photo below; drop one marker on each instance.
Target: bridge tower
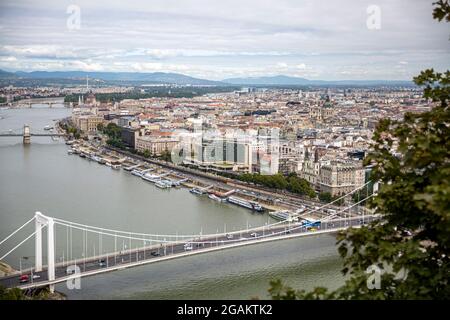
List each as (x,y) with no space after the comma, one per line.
(376,186)
(26,134)
(40,222)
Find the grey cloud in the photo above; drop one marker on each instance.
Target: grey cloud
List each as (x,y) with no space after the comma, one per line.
(221,39)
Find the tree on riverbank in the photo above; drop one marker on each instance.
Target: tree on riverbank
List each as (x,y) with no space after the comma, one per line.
(37,294)
(11,294)
(165,156)
(114,134)
(291,183)
(71,130)
(407,250)
(169,92)
(327,198)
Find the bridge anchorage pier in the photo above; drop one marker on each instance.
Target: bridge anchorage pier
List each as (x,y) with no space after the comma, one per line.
(40,222)
(26,134)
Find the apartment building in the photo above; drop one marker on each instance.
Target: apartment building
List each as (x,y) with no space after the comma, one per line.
(156,145)
(219,153)
(87,123)
(339,178)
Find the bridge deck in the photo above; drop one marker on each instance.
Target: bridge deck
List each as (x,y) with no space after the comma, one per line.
(145,255)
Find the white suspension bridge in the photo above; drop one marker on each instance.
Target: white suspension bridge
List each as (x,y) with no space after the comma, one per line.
(118,249)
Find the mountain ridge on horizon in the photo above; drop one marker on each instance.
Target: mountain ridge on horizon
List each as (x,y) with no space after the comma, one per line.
(290,80)
(181,79)
(153,77)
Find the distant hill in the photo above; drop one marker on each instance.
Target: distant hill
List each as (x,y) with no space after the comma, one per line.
(154,77)
(275,80)
(181,79)
(282,80)
(7,75)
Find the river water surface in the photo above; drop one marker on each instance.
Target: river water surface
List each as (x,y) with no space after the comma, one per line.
(43,177)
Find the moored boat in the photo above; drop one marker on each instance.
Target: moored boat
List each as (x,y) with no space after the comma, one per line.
(196,191)
(137,173)
(162,184)
(246,204)
(151,178)
(283,215)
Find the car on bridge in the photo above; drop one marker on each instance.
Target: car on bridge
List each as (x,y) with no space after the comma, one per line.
(24,278)
(155,253)
(188,246)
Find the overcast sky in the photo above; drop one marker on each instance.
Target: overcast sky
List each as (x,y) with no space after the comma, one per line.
(213,39)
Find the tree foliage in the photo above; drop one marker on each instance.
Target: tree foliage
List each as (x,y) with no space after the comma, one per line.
(363,194)
(11,294)
(70,129)
(291,183)
(157,92)
(36,294)
(147,153)
(166,155)
(114,133)
(442,10)
(327,198)
(410,244)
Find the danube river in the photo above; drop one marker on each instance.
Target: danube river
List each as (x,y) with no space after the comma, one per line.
(43,177)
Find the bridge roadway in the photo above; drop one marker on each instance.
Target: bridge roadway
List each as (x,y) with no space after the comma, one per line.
(150,254)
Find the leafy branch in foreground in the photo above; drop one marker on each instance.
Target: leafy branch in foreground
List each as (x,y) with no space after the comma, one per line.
(442,10)
(410,244)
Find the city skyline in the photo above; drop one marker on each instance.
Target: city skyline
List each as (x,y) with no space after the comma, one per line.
(219,41)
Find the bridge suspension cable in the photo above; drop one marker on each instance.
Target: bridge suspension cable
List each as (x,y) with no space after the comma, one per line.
(211,239)
(212,235)
(156,238)
(70,223)
(22,242)
(343,210)
(17,230)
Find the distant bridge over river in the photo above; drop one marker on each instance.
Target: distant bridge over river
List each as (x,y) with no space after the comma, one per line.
(26,134)
(51,102)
